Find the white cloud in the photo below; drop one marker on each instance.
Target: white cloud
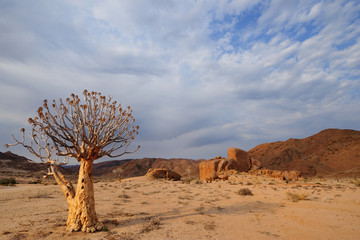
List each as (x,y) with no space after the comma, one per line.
(200,75)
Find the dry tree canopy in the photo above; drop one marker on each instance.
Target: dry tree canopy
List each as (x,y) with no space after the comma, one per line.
(86,130)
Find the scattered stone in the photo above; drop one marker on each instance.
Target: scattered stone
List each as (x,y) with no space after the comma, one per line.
(291,176)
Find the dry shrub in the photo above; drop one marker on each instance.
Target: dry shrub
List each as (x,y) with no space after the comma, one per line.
(18,236)
(124,196)
(111,221)
(245,192)
(356,182)
(185,197)
(190,222)
(7,181)
(295,197)
(41,194)
(198,182)
(209,226)
(153,224)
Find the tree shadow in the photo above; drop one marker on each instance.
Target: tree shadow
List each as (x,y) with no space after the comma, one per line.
(176,213)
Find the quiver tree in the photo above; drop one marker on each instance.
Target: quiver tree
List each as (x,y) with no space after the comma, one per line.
(118,172)
(85,131)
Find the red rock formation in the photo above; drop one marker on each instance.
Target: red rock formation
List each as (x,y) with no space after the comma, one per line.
(331,152)
(208,169)
(292,175)
(163,173)
(256,164)
(242,157)
(238,160)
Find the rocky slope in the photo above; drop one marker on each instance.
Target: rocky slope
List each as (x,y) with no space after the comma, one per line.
(19,167)
(139,167)
(331,152)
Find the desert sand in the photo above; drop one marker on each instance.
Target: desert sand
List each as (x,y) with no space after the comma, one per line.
(139,208)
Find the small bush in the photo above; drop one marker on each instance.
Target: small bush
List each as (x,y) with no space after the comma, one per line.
(124,196)
(187,221)
(356,182)
(244,192)
(209,226)
(198,182)
(7,181)
(34,182)
(153,224)
(186,180)
(110,221)
(295,197)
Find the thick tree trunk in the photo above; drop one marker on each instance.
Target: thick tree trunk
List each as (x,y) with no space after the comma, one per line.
(82,215)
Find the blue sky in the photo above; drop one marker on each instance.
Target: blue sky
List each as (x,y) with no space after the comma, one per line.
(200,76)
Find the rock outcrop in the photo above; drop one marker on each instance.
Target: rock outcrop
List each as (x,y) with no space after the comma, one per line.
(163,173)
(331,152)
(286,175)
(241,157)
(212,169)
(256,164)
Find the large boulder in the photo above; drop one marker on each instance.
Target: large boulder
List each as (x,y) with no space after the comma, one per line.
(242,157)
(237,160)
(217,168)
(208,169)
(227,164)
(163,173)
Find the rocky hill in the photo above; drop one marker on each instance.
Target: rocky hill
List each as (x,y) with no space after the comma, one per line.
(10,161)
(139,167)
(13,165)
(331,152)
(19,167)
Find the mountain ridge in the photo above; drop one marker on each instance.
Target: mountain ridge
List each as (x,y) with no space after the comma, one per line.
(331,152)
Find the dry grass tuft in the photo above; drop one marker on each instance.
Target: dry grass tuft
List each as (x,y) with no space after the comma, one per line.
(124,196)
(111,221)
(209,226)
(295,197)
(41,194)
(356,182)
(153,224)
(190,222)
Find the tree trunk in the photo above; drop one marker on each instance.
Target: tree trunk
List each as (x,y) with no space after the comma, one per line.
(82,215)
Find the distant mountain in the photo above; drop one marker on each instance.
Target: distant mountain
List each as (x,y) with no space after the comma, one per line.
(139,167)
(14,165)
(330,152)
(9,160)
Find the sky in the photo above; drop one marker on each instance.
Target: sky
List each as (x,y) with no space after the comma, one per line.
(200,75)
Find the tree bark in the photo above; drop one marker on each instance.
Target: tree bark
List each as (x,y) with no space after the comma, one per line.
(82,215)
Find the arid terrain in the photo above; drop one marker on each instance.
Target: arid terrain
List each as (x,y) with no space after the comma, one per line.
(139,208)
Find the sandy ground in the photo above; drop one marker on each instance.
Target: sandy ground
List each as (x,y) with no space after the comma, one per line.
(138,208)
